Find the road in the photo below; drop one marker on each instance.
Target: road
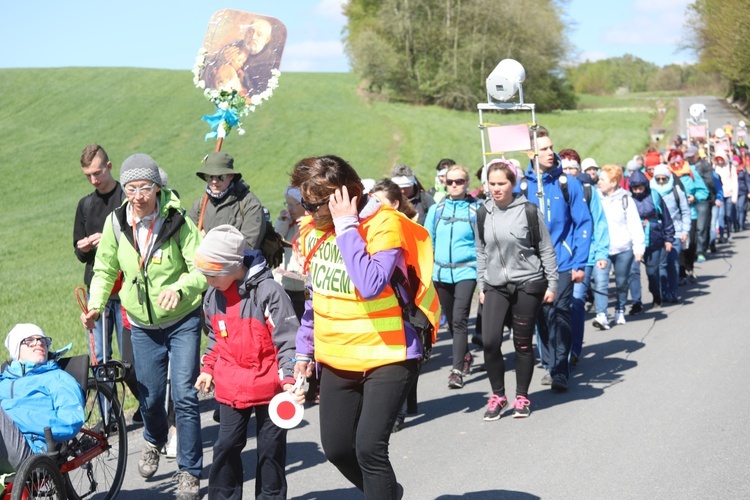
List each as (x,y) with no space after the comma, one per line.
(718,112)
(657,409)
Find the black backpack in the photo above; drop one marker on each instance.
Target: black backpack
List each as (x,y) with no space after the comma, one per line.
(532,220)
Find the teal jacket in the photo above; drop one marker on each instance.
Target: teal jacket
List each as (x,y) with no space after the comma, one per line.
(38,396)
(453,239)
(168,266)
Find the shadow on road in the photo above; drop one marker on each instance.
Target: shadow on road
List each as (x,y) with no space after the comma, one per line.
(491,495)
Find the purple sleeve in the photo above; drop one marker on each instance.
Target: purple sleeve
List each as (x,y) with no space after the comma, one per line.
(369,273)
(304,343)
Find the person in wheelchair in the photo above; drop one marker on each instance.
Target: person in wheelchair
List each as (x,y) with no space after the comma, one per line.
(34,393)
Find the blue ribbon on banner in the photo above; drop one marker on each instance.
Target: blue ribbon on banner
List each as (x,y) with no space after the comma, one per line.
(229,116)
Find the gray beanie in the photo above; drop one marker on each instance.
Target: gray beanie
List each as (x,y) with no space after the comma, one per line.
(17,334)
(221,251)
(139,167)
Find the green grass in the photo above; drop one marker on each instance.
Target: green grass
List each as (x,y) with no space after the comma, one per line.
(47,116)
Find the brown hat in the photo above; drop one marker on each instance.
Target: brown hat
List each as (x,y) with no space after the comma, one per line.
(218,163)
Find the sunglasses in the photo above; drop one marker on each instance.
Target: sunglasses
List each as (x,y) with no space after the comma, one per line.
(217,178)
(312,207)
(135,191)
(661,180)
(457,182)
(32,341)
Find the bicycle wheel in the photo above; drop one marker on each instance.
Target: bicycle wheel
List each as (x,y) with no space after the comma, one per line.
(38,477)
(98,456)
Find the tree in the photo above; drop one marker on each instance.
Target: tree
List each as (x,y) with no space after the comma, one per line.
(441,51)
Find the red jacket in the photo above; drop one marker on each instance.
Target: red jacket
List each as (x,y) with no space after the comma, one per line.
(252,330)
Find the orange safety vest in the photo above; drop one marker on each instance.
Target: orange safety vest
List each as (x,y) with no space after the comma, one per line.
(351,333)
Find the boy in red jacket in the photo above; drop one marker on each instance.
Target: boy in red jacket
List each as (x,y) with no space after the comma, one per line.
(251,329)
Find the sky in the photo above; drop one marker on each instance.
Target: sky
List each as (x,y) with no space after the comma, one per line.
(167,35)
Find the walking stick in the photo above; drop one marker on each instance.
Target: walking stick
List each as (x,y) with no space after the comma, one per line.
(80,293)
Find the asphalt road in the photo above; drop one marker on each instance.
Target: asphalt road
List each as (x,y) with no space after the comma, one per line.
(657,409)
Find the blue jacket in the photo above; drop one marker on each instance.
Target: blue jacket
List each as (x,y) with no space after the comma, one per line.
(569,224)
(599,249)
(657,223)
(38,396)
(453,240)
(743,183)
(719,188)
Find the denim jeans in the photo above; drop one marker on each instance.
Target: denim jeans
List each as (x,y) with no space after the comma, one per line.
(623,263)
(703,226)
(155,350)
(357,412)
(651,259)
(578,304)
(669,270)
(554,328)
(114,322)
(741,203)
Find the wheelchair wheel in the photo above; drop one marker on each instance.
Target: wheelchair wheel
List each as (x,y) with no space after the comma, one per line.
(38,477)
(101,446)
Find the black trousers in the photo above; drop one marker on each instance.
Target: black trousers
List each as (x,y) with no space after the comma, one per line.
(225,477)
(455,300)
(357,412)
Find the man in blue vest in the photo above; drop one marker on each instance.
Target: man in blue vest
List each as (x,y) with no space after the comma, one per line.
(561,199)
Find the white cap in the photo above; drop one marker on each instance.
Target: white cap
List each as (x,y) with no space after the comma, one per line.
(17,334)
(589,163)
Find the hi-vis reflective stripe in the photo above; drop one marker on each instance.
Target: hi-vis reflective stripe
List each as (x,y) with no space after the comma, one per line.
(359,326)
(354,309)
(358,358)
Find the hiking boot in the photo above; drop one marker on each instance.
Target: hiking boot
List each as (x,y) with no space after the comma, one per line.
(521,407)
(149,462)
(468,361)
(496,405)
(636,309)
(620,317)
(560,383)
(547,379)
(601,321)
(188,486)
(455,380)
(399,423)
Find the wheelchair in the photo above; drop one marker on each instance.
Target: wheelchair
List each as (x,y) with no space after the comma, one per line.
(91,465)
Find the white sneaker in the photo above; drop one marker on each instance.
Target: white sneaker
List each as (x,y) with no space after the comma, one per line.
(620,315)
(170,451)
(601,321)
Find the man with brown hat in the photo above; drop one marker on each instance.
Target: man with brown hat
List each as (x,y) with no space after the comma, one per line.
(228,200)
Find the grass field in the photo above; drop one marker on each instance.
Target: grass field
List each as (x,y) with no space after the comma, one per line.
(47,116)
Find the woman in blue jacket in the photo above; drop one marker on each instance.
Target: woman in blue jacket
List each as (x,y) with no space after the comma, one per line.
(34,393)
(451,225)
(659,232)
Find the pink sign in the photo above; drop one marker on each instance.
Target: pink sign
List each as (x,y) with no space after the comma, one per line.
(697,131)
(509,138)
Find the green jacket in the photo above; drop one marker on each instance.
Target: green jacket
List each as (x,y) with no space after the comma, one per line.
(178,239)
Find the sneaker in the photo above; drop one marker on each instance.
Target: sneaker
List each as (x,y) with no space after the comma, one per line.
(170,451)
(573,361)
(468,361)
(601,321)
(399,423)
(701,257)
(521,407)
(636,309)
(149,462)
(455,380)
(496,405)
(547,379)
(682,281)
(188,486)
(620,317)
(560,383)
(692,278)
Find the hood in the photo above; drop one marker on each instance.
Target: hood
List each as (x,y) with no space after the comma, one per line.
(638,178)
(585,178)
(17,369)
(167,200)
(258,269)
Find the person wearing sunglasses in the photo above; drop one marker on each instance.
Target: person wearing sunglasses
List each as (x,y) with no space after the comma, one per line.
(671,191)
(451,225)
(153,243)
(227,200)
(420,199)
(353,328)
(34,393)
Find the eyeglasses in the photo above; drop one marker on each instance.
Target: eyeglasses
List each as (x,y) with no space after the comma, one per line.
(135,191)
(217,178)
(312,207)
(661,180)
(32,341)
(457,182)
